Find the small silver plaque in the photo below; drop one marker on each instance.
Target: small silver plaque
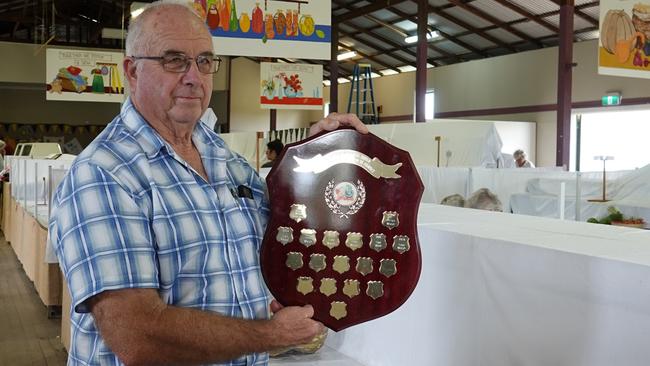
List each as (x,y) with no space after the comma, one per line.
(338,310)
(341,263)
(364,265)
(328,286)
(317,262)
(354,241)
(388,267)
(305,285)
(401,243)
(378,242)
(331,239)
(390,219)
(375,289)
(294,260)
(298,212)
(351,288)
(285,235)
(307,237)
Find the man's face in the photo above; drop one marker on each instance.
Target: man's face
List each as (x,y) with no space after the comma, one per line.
(168,97)
(520,161)
(271,155)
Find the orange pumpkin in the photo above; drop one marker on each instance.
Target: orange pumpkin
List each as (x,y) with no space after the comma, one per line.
(617,27)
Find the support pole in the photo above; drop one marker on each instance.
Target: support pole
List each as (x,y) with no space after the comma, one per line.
(564,82)
(421,56)
(334,69)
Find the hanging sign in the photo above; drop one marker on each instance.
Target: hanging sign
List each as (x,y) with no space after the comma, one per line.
(291,86)
(624,44)
(84,76)
(272,28)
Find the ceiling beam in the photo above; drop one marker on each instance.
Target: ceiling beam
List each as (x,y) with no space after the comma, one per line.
(453,19)
(397,46)
(449,37)
(372,58)
(529,15)
(375,6)
(489,18)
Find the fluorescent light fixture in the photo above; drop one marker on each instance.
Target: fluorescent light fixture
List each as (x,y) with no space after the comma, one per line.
(89,18)
(430,66)
(374,75)
(345,55)
(385,72)
(343,80)
(430,35)
(113,33)
(406,68)
(327,83)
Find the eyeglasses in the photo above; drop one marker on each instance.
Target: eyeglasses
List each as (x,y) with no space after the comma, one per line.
(180,63)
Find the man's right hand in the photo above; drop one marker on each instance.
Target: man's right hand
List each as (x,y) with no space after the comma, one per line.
(294,324)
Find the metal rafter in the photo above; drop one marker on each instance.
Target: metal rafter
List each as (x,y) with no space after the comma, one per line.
(372,58)
(487,17)
(527,14)
(449,37)
(385,40)
(377,5)
(578,11)
(439,11)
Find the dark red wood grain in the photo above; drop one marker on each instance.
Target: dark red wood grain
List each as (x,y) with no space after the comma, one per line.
(402,195)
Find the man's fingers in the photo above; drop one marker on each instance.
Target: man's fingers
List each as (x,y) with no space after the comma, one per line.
(335,120)
(275,306)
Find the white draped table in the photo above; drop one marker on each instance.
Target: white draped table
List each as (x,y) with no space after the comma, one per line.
(501,289)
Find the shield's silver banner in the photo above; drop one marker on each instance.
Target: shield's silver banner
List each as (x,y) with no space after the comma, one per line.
(373,166)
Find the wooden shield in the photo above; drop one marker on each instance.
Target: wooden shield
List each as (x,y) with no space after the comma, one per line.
(342,235)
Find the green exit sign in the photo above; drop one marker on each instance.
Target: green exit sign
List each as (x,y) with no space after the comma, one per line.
(611,99)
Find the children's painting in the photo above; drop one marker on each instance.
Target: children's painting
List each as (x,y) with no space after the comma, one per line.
(269,28)
(624,47)
(291,86)
(84,76)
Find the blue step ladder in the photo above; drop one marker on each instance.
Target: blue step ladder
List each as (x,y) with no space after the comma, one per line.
(362,97)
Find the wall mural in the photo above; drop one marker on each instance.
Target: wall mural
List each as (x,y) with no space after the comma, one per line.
(274,28)
(624,47)
(84,76)
(291,86)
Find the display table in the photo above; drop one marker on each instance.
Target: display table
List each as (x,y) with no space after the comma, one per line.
(500,289)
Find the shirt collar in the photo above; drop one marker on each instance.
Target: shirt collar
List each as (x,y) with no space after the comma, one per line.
(150,139)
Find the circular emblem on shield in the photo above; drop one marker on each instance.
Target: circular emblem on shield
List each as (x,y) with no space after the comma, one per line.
(345,198)
(345,194)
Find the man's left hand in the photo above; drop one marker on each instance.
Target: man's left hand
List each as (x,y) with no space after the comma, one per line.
(336,120)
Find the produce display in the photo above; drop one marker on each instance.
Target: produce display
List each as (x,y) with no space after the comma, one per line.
(616,217)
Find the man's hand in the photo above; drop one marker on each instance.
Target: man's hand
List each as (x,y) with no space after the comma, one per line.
(295,323)
(336,120)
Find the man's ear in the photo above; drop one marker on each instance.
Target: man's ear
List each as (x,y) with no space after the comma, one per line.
(131,72)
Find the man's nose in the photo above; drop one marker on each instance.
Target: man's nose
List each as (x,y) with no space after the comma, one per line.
(192,76)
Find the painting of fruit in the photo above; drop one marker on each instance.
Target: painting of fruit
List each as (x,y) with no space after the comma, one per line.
(307,25)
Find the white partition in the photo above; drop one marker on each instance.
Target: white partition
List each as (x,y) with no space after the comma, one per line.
(499,289)
(462,143)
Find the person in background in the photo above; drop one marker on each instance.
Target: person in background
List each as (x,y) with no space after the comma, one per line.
(521,159)
(158,224)
(273,150)
(453,200)
(483,199)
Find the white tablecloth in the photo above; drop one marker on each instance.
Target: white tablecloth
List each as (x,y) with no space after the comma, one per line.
(499,289)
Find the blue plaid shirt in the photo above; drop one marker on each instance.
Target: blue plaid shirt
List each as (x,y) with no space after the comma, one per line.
(131,213)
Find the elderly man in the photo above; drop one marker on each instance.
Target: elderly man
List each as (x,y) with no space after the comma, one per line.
(521,159)
(161,257)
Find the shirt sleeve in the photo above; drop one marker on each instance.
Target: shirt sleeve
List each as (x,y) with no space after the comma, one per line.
(101,236)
